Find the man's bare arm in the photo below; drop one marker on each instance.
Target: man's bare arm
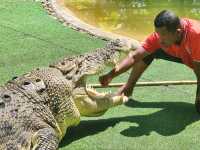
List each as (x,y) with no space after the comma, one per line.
(132,58)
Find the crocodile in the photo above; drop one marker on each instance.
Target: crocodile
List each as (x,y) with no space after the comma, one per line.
(38,107)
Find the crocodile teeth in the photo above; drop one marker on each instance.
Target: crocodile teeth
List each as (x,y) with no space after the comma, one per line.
(90,89)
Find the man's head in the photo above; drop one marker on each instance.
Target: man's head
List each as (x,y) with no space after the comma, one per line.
(168,27)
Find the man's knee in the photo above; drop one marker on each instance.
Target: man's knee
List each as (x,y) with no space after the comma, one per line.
(197,106)
(156,54)
(160,54)
(148,59)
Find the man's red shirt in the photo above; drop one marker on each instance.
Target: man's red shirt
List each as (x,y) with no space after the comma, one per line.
(189,48)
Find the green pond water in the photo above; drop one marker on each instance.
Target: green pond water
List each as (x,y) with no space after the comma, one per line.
(133,18)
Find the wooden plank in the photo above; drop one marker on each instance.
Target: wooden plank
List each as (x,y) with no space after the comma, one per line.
(156,83)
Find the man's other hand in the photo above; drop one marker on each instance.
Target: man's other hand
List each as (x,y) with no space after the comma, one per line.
(126,89)
(105,80)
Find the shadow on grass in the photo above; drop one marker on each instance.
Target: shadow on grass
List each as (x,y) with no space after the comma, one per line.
(171,119)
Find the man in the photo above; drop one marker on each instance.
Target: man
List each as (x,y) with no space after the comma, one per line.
(174,39)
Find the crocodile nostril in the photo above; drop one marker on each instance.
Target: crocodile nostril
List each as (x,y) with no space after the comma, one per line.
(62,63)
(14,113)
(2,105)
(41,90)
(68,77)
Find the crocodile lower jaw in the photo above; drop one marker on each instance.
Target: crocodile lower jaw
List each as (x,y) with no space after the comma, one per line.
(91,92)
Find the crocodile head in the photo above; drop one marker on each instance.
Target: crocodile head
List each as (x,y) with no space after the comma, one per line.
(76,68)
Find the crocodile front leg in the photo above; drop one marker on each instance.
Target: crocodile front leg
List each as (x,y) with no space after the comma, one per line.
(45,139)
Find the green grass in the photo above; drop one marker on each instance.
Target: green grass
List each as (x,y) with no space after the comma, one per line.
(156,118)
(31,38)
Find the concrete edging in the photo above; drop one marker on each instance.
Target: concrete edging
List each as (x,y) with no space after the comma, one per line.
(65,16)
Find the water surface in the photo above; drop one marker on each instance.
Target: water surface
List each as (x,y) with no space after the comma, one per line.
(133,18)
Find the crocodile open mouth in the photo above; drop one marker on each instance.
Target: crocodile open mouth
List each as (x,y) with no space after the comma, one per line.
(93,94)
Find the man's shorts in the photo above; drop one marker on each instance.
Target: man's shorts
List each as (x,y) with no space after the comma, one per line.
(160,54)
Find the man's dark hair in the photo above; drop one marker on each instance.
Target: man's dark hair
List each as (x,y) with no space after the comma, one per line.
(167,19)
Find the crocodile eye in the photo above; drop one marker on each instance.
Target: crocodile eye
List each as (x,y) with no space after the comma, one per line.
(38,80)
(7,98)
(26,83)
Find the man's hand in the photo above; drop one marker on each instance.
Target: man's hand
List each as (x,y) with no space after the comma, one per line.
(105,80)
(126,89)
